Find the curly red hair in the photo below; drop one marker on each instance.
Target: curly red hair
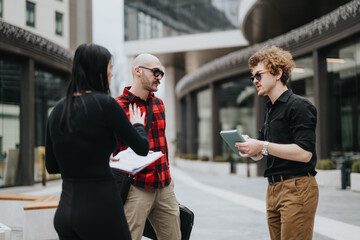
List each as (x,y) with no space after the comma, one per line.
(274,58)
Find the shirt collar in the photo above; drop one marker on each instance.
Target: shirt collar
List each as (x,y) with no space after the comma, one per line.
(129,95)
(283,97)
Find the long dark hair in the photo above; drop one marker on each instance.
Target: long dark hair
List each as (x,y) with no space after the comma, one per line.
(89,73)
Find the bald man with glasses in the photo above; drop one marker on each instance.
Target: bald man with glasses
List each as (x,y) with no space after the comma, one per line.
(287,138)
(151,195)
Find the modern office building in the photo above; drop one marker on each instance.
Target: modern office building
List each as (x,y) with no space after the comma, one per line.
(184,35)
(212,86)
(326,53)
(37,39)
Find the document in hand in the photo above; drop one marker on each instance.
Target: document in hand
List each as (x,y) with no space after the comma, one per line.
(132,163)
(231,137)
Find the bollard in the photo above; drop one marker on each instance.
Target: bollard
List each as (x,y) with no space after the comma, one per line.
(248,167)
(232,164)
(343,176)
(345,173)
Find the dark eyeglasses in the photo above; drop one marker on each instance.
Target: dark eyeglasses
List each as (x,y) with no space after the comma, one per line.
(155,71)
(257,76)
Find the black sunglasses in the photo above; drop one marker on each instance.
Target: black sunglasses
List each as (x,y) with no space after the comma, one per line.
(155,71)
(257,76)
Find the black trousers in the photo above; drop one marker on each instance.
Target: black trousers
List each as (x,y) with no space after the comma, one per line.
(90,210)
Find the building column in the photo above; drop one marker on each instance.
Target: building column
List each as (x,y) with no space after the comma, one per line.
(171,74)
(192,61)
(321,90)
(189,139)
(216,142)
(27,123)
(191,122)
(195,59)
(182,124)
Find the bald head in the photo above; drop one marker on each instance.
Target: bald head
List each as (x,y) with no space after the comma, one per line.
(144,59)
(147,73)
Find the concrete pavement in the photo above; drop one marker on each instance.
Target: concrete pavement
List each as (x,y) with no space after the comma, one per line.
(233,207)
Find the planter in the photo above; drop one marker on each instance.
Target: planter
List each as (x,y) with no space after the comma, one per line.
(329,178)
(355,182)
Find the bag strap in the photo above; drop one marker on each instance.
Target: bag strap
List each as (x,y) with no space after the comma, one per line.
(149,116)
(266,124)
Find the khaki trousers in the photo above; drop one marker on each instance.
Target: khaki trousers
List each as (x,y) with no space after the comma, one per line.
(291,206)
(159,205)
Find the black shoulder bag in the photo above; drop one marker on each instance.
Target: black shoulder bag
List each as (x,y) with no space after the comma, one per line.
(123,180)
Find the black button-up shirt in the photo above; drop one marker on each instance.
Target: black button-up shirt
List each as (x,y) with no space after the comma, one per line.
(291,119)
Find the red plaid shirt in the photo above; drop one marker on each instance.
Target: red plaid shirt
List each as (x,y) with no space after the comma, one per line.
(157,174)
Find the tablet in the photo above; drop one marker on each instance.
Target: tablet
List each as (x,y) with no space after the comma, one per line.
(231,137)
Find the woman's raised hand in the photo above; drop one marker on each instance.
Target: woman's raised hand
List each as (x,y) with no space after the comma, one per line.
(135,114)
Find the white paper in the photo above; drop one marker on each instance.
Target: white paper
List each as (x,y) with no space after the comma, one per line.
(132,163)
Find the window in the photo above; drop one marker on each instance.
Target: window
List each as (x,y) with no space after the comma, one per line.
(177,17)
(1,8)
(49,88)
(30,14)
(58,23)
(302,78)
(10,92)
(236,109)
(203,139)
(343,68)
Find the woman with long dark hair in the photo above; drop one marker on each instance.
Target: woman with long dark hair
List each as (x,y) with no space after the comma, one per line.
(81,134)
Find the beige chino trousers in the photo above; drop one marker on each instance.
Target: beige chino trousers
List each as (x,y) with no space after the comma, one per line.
(159,205)
(291,206)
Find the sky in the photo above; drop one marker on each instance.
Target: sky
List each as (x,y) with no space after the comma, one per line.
(107,23)
(108,31)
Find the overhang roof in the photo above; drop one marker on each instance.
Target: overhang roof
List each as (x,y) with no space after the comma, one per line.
(267,19)
(338,24)
(24,43)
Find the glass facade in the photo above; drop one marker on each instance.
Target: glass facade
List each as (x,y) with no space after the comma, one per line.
(49,88)
(343,66)
(155,19)
(236,108)
(10,92)
(302,78)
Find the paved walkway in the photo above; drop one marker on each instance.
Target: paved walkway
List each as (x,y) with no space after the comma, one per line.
(232,207)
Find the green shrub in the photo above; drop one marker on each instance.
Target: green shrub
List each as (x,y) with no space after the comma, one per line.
(192,156)
(182,155)
(189,156)
(356,167)
(220,159)
(204,158)
(325,164)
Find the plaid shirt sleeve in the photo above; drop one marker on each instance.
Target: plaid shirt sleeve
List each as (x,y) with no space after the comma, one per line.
(157,174)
